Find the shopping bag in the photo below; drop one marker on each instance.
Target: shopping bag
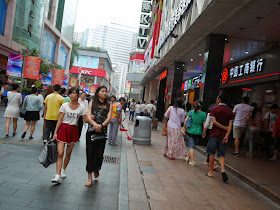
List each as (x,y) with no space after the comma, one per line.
(164,133)
(49,154)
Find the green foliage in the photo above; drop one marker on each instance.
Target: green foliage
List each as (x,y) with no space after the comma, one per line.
(74,52)
(91,48)
(26,90)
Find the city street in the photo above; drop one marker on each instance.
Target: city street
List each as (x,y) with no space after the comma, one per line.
(139,178)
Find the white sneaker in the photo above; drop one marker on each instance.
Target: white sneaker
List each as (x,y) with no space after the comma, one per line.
(56,179)
(63,174)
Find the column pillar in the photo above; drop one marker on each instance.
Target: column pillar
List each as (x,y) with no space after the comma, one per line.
(177,80)
(153,90)
(147,92)
(211,72)
(160,99)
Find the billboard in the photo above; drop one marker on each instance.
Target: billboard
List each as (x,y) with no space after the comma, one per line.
(58,77)
(86,61)
(48,46)
(139,66)
(14,65)
(62,57)
(32,67)
(48,80)
(73,82)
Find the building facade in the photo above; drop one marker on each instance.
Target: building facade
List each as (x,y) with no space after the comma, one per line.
(47,26)
(91,69)
(118,40)
(205,47)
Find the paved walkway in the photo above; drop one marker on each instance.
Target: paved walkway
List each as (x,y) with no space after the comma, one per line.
(25,184)
(173,184)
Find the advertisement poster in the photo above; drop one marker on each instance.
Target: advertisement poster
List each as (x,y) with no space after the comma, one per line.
(82,85)
(86,89)
(73,82)
(139,66)
(127,87)
(58,77)
(32,67)
(65,81)
(14,65)
(93,88)
(46,81)
(48,46)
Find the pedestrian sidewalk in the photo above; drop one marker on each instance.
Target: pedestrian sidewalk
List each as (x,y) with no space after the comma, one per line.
(173,184)
(25,184)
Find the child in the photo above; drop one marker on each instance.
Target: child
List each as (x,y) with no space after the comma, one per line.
(66,131)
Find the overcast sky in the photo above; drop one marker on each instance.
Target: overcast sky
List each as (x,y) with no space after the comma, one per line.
(92,12)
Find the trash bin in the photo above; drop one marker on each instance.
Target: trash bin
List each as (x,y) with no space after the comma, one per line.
(142,130)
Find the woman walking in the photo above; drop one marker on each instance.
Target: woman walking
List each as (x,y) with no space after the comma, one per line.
(194,132)
(32,104)
(255,124)
(12,110)
(99,116)
(174,147)
(66,131)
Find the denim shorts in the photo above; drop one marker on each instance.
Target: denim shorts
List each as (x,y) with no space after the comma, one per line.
(216,143)
(192,140)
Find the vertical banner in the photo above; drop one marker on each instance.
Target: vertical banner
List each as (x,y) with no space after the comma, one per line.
(73,82)
(65,81)
(86,89)
(14,65)
(32,67)
(58,77)
(82,85)
(93,88)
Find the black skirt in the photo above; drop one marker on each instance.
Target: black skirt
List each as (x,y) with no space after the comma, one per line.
(32,116)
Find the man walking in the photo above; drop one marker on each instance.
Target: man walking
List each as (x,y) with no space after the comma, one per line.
(116,119)
(240,111)
(151,109)
(143,107)
(51,112)
(132,110)
(222,118)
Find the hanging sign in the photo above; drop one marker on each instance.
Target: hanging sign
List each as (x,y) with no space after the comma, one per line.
(14,65)
(32,67)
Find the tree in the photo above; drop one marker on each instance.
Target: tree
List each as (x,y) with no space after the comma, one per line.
(75,47)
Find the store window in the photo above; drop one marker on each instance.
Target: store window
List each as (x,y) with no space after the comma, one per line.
(49,5)
(59,14)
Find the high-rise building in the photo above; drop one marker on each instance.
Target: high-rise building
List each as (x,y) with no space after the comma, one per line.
(47,25)
(118,40)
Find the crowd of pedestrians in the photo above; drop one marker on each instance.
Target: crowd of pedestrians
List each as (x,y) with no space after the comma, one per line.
(216,127)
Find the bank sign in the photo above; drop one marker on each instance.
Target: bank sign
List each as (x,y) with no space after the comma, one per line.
(180,11)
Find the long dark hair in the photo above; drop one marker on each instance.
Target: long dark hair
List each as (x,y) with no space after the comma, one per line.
(95,100)
(198,105)
(254,112)
(178,103)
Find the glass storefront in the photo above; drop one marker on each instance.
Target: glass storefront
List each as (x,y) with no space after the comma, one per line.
(28,23)
(3,12)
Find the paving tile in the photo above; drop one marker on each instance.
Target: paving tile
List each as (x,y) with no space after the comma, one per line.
(7,191)
(137,195)
(79,200)
(52,205)
(12,200)
(149,169)
(36,195)
(136,205)
(12,207)
(157,194)
(160,205)
(145,163)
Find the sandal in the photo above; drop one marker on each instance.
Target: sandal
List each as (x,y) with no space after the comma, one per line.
(187,159)
(7,136)
(96,174)
(209,175)
(191,164)
(206,164)
(172,158)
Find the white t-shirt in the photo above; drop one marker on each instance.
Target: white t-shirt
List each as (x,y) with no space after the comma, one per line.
(143,107)
(150,108)
(271,122)
(71,116)
(85,103)
(242,111)
(137,108)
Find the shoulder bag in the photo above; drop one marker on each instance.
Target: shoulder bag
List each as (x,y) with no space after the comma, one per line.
(189,121)
(164,131)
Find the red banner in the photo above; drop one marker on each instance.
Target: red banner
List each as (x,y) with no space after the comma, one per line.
(73,82)
(32,67)
(93,88)
(82,85)
(58,77)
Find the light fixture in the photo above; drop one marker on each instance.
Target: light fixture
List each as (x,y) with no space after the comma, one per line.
(246,52)
(183,64)
(231,59)
(226,39)
(177,68)
(191,59)
(199,54)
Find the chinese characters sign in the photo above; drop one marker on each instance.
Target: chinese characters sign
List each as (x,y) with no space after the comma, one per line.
(14,65)
(32,66)
(247,68)
(58,77)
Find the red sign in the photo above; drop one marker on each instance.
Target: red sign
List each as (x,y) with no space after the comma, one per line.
(58,77)
(225,76)
(163,75)
(73,82)
(88,71)
(93,88)
(32,67)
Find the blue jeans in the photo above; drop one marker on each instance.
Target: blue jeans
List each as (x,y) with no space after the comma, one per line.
(131,115)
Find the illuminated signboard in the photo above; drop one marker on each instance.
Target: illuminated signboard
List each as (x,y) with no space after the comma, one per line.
(163,75)
(193,83)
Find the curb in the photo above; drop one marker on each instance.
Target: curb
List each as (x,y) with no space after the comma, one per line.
(123,203)
(262,189)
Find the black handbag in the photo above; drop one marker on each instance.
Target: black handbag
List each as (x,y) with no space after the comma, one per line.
(99,117)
